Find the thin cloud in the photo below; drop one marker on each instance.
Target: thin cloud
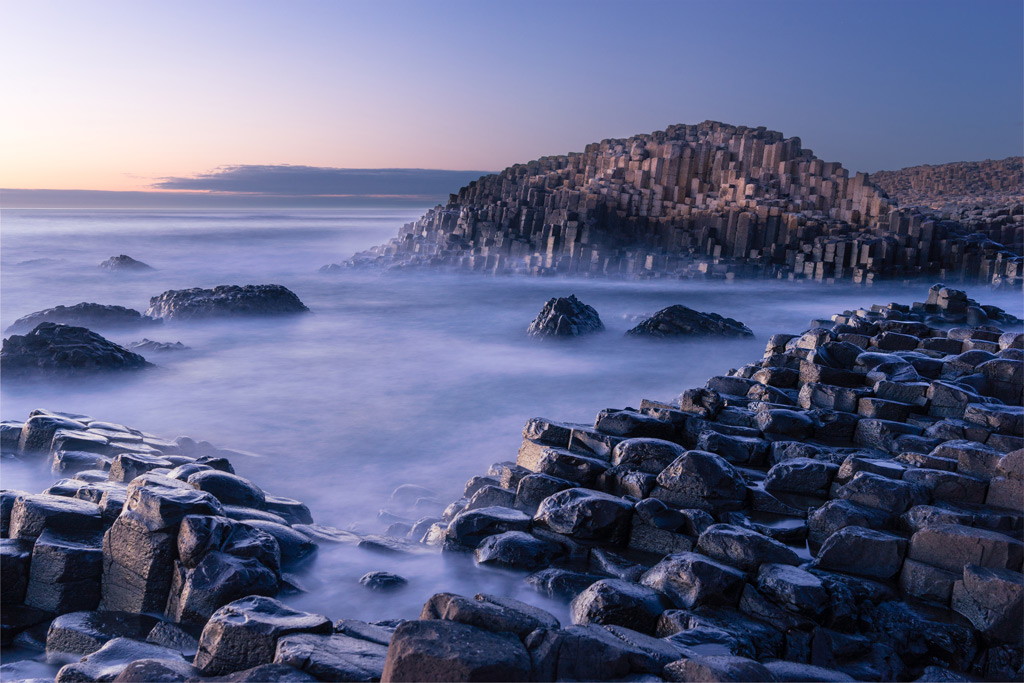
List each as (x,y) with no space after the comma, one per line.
(306,181)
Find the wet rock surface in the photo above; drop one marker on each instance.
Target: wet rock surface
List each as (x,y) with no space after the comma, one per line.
(125,263)
(565,317)
(784,522)
(55,350)
(225,300)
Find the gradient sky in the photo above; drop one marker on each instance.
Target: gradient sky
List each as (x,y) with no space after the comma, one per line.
(114,95)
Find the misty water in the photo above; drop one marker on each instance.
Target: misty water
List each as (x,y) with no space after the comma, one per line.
(424,379)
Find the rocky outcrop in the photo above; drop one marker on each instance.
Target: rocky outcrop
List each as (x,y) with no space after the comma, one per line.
(708,200)
(62,350)
(565,317)
(93,316)
(125,263)
(962,184)
(150,346)
(680,321)
(225,301)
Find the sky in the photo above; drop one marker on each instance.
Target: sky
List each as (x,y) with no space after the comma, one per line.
(124,95)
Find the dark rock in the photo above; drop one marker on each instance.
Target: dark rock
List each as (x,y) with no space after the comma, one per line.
(468,528)
(244,634)
(993,601)
(72,462)
(54,349)
(218,579)
(15,556)
(296,548)
(613,601)
(293,511)
(560,583)
(743,548)
(137,566)
(225,300)
(838,514)
(160,502)
(149,346)
(926,582)
(701,480)
(488,612)
(805,673)
(156,670)
(375,633)
(31,515)
(491,496)
(680,321)
(125,263)
(97,316)
(438,650)
(534,488)
(82,633)
(801,475)
(199,535)
(268,673)
(229,489)
(516,550)
(923,635)
(65,572)
(952,547)
(691,579)
(126,466)
(585,514)
(597,653)
(383,581)
(647,455)
(864,552)
(882,493)
(793,588)
(565,317)
(334,657)
(170,636)
(717,668)
(113,658)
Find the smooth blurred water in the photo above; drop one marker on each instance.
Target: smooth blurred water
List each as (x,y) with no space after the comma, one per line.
(422,379)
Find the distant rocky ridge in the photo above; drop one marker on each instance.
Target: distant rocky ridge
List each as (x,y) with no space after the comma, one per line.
(706,200)
(963,184)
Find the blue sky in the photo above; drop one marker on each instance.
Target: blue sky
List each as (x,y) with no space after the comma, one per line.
(115,95)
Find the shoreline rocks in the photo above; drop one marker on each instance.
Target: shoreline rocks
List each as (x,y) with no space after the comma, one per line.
(225,300)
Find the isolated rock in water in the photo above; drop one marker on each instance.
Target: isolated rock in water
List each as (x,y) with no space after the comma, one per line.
(64,350)
(150,346)
(565,317)
(680,321)
(225,300)
(125,263)
(97,316)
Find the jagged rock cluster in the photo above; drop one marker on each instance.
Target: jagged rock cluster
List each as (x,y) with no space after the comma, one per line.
(848,507)
(680,321)
(54,349)
(565,317)
(100,316)
(707,200)
(961,184)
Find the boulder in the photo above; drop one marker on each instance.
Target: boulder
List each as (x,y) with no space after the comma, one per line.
(199,535)
(82,633)
(701,480)
(469,528)
(565,317)
(796,672)
(229,489)
(864,552)
(268,673)
(882,493)
(992,600)
(296,547)
(613,601)
(718,668)
(585,514)
(516,550)
(646,455)
(560,583)
(691,579)
(801,475)
(218,579)
(743,548)
(31,515)
(160,502)
(15,556)
(534,488)
(225,300)
(154,670)
(96,316)
(62,350)
(110,660)
(244,634)
(488,612)
(382,581)
(793,588)
(333,657)
(439,650)
(65,572)
(680,321)
(125,263)
(952,547)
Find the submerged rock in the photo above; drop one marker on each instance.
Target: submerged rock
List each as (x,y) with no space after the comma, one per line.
(565,317)
(125,263)
(225,300)
(53,349)
(98,316)
(680,321)
(150,346)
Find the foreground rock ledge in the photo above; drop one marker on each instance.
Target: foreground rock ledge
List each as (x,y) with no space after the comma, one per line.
(54,350)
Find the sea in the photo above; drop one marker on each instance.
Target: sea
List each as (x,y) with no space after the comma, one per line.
(392,379)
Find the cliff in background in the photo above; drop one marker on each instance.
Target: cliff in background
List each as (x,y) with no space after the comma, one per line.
(710,200)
